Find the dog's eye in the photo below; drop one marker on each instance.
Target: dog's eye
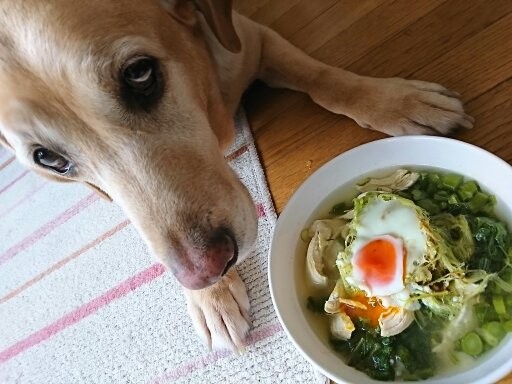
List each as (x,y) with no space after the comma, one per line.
(140,75)
(141,85)
(49,159)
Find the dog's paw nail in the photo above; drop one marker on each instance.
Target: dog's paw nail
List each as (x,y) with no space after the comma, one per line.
(469,117)
(240,350)
(451,94)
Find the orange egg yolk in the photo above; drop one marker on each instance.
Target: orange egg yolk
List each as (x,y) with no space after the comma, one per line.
(372,312)
(378,260)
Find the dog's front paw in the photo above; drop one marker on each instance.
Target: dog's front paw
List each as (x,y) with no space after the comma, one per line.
(409,107)
(220,313)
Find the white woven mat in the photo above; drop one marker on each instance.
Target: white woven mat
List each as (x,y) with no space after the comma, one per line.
(82,300)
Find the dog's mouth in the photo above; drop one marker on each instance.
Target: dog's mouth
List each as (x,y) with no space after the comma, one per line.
(234,259)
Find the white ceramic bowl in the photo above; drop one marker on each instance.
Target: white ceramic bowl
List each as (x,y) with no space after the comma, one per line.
(287,250)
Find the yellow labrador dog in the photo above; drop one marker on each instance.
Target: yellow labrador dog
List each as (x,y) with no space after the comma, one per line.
(136,98)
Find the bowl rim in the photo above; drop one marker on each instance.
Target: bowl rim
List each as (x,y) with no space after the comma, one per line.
(276,284)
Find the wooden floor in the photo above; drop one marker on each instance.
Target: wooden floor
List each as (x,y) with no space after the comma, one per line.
(465,45)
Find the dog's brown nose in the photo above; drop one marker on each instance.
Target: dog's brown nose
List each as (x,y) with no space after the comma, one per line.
(206,266)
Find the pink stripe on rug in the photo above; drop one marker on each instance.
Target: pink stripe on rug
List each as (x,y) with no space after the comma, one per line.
(236,154)
(260,209)
(83,311)
(7,162)
(64,261)
(23,174)
(27,196)
(47,228)
(201,362)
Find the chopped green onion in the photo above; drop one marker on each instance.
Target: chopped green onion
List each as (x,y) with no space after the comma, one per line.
(467,190)
(502,284)
(441,195)
(433,178)
(492,333)
(508,301)
(478,201)
(304,235)
(488,209)
(499,305)
(472,344)
(453,199)
(338,209)
(418,194)
(315,304)
(433,181)
(405,195)
(429,205)
(485,313)
(451,181)
(484,263)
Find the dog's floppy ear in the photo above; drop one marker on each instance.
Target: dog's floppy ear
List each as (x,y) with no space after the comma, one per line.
(217,13)
(101,193)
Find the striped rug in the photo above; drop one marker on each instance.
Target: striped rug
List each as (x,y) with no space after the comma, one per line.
(82,300)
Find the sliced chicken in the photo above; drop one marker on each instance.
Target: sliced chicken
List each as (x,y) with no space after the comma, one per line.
(398,181)
(394,321)
(315,261)
(329,229)
(341,326)
(333,305)
(323,249)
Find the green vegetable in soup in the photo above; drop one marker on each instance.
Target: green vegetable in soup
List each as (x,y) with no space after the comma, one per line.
(367,351)
(467,190)
(407,355)
(429,205)
(485,312)
(316,304)
(417,194)
(339,209)
(472,344)
(492,332)
(492,242)
(451,181)
(304,235)
(448,193)
(499,305)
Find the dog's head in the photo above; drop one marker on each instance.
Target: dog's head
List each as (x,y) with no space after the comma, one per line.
(123,96)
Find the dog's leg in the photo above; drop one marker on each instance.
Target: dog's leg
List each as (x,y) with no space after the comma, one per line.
(220,313)
(394,106)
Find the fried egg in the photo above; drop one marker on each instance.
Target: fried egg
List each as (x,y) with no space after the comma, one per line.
(388,244)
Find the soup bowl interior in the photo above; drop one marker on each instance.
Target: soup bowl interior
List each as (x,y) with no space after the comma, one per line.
(334,182)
